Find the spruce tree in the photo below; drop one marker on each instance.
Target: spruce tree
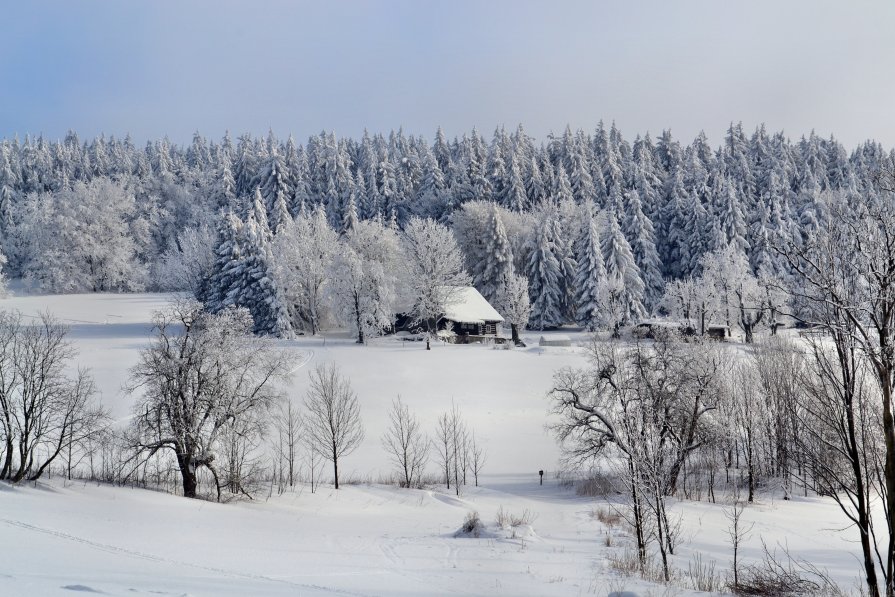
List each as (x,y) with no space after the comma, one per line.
(622,273)
(516,198)
(641,236)
(280,216)
(729,211)
(228,262)
(544,279)
(258,210)
(590,272)
(497,257)
(535,186)
(257,289)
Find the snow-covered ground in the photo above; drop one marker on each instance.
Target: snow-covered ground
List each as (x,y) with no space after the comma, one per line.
(360,540)
(59,538)
(502,393)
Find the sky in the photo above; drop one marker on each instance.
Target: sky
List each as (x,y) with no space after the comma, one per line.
(166,67)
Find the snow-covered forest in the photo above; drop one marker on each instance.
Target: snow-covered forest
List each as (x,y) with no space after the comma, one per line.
(595,222)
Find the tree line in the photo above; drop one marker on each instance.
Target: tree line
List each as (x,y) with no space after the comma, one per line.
(592,224)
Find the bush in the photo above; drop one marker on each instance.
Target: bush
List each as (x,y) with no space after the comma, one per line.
(506,520)
(596,485)
(777,576)
(472,525)
(606,516)
(703,576)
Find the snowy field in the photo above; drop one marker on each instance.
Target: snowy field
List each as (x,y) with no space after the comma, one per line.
(364,539)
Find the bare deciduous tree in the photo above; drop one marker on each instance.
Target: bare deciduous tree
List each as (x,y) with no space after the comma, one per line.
(406,444)
(289,425)
(333,419)
(43,410)
(477,458)
(641,408)
(738,532)
(443,447)
(844,280)
(202,377)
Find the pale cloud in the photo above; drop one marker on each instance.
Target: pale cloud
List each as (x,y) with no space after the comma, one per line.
(164,68)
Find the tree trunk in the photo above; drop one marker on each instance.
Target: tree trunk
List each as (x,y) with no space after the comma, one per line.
(514,331)
(23,461)
(889,471)
(360,329)
(751,466)
(636,506)
(336,468)
(854,454)
(188,475)
(662,538)
(7,461)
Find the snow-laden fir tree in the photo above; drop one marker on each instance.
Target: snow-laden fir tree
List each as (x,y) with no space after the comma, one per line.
(622,273)
(258,211)
(225,272)
(591,272)
(516,198)
(675,244)
(638,229)
(350,219)
(544,278)
(729,211)
(565,222)
(497,257)
(255,286)
(280,217)
(536,187)
(226,188)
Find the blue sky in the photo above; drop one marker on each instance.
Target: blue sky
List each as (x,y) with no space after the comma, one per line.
(162,67)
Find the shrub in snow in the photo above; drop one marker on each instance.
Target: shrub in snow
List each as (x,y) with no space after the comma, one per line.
(472,526)
(507,520)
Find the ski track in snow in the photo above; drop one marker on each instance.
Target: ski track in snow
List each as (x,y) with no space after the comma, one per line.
(307,357)
(162,560)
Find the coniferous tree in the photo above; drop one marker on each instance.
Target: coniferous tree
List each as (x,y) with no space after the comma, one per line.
(516,199)
(729,210)
(544,278)
(256,288)
(497,257)
(623,276)
(641,236)
(535,187)
(258,211)
(228,257)
(591,273)
(280,216)
(675,248)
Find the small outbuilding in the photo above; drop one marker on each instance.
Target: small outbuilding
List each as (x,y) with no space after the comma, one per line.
(717,332)
(555,340)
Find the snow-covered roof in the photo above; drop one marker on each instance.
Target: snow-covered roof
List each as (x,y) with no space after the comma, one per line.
(466,305)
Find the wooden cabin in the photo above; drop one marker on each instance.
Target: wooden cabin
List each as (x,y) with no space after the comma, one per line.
(470,317)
